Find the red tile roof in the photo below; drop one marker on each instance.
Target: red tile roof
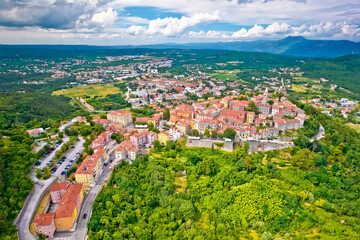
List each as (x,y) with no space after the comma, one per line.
(44,219)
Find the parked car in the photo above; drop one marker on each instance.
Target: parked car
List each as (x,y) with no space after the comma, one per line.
(48,164)
(63,172)
(85,215)
(38,163)
(71,161)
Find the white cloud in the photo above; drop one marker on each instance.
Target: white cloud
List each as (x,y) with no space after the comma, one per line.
(326,30)
(171,26)
(98,21)
(208,34)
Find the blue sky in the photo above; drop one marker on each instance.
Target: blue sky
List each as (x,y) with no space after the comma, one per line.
(117,22)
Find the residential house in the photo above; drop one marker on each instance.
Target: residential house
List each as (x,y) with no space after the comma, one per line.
(123,118)
(45,224)
(69,207)
(57,190)
(133,152)
(163,137)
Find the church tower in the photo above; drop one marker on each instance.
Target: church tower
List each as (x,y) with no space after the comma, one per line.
(265,98)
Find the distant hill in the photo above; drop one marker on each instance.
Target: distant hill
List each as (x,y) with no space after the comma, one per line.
(292,46)
(343,71)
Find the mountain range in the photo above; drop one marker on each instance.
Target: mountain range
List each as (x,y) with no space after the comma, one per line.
(291,46)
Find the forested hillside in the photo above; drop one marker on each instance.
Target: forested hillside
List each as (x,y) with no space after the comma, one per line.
(15,184)
(310,191)
(343,71)
(32,108)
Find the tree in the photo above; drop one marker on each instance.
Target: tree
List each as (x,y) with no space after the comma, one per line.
(252,107)
(207,133)
(248,164)
(61,134)
(166,115)
(229,133)
(304,159)
(157,146)
(195,132)
(214,134)
(246,146)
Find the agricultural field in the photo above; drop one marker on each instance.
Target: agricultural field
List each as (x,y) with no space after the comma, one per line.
(301,88)
(354,126)
(225,75)
(89,91)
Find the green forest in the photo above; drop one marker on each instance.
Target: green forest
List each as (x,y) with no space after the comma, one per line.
(33,109)
(16,158)
(310,191)
(343,71)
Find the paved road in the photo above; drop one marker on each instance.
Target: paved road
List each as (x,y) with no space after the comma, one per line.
(86,108)
(41,145)
(40,187)
(47,159)
(320,135)
(81,228)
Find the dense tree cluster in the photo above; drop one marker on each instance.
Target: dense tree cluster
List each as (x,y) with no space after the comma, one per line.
(16,158)
(33,109)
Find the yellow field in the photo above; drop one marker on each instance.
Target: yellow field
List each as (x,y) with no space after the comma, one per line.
(89,90)
(180,183)
(354,126)
(301,88)
(305,79)
(40,210)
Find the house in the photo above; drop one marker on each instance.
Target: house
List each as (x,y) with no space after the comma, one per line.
(210,124)
(123,118)
(69,207)
(183,126)
(133,152)
(250,117)
(280,124)
(175,134)
(45,224)
(163,137)
(35,132)
(258,121)
(141,139)
(101,140)
(86,173)
(264,108)
(57,190)
(121,152)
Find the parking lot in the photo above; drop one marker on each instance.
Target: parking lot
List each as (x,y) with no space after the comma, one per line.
(66,161)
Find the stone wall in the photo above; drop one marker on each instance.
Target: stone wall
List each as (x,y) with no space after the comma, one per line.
(207,143)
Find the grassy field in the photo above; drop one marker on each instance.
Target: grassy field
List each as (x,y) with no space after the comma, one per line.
(180,183)
(301,88)
(89,91)
(40,210)
(225,75)
(354,126)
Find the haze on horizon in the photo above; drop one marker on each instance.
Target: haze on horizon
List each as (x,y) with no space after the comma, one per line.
(123,22)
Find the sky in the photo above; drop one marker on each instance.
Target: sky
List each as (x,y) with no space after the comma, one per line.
(133,22)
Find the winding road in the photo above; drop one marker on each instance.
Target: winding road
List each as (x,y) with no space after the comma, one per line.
(40,188)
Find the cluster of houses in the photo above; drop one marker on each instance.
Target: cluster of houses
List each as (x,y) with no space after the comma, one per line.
(229,112)
(69,198)
(344,105)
